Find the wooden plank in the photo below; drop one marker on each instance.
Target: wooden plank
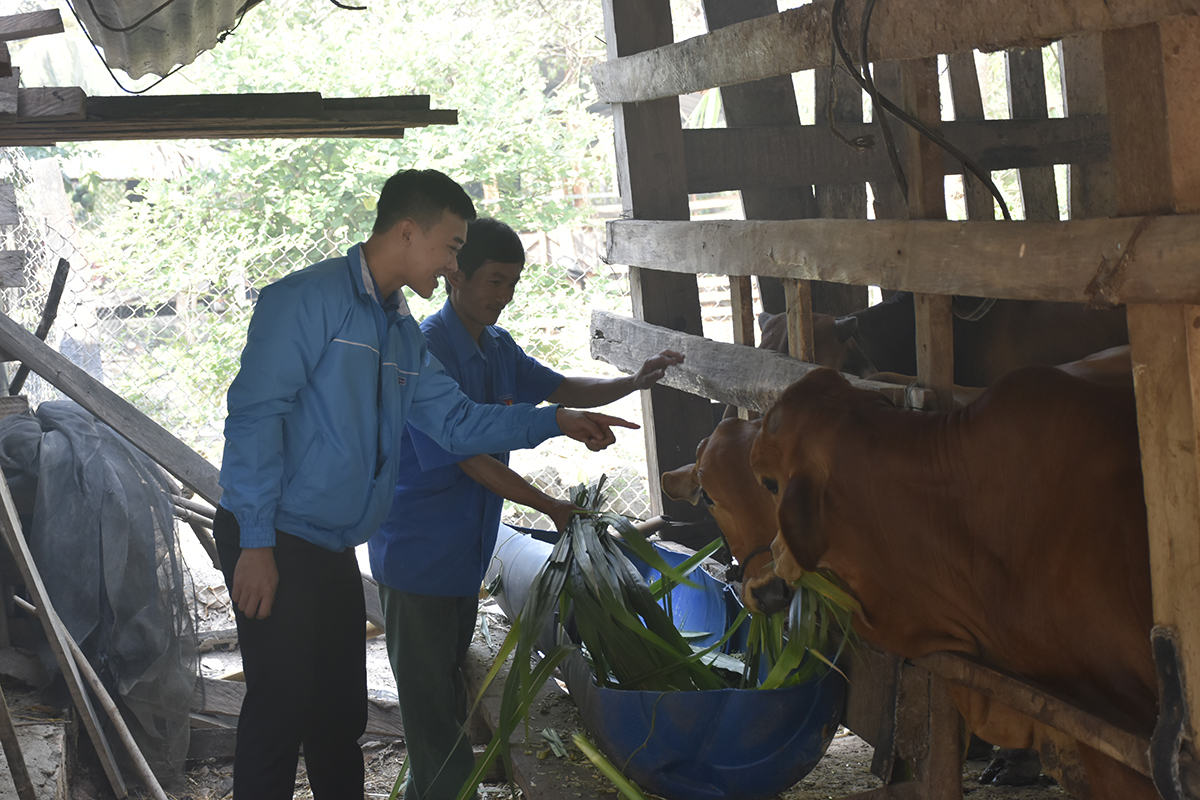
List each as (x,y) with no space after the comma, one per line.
(9,88)
(1019,260)
(1027,100)
(801,343)
(741,303)
(1154,100)
(8,204)
(1091,191)
(56,635)
(57,103)
(728,373)
(1039,703)
(927,200)
(12,268)
(798,39)
(26,26)
(254,105)
(721,159)
(225,697)
(109,407)
(652,178)
(968,105)
(6,67)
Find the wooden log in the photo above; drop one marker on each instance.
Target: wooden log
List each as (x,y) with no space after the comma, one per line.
(728,373)
(798,39)
(57,636)
(26,26)
(721,159)
(225,698)
(1020,260)
(1039,703)
(652,177)
(109,407)
(1027,100)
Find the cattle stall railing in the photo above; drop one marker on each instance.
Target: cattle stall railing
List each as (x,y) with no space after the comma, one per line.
(1132,96)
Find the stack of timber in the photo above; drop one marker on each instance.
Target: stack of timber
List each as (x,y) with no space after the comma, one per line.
(48,115)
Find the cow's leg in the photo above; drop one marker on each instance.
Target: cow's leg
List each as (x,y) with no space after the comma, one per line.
(1112,780)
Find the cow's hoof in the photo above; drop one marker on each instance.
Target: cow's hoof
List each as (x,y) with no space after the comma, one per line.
(1013,768)
(773,595)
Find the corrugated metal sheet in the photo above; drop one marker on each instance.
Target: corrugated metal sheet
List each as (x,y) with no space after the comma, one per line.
(161,33)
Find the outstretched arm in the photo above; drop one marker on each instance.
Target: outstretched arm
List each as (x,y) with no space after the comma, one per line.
(582,392)
(501,480)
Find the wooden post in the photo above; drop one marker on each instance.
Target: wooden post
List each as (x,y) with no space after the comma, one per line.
(1153,95)
(1090,191)
(653,182)
(968,104)
(927,200)
(799,318)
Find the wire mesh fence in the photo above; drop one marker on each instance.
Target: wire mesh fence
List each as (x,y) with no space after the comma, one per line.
(156,307)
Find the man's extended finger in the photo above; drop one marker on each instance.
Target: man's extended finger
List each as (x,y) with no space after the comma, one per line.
(605,419)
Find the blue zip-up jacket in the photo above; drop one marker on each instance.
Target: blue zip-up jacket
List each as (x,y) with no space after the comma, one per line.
(328,378)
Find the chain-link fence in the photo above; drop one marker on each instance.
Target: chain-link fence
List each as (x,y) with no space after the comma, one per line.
(157,309)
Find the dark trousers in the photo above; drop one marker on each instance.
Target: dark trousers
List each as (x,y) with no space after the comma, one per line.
(427,641)
(306,673)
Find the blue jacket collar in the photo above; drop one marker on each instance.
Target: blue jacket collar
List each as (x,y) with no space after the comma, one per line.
(365,282)
(460,339)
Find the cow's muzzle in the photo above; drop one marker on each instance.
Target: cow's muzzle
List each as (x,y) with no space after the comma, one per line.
(769,595)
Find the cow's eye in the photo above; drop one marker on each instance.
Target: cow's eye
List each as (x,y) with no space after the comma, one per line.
(704,496)
(771,485)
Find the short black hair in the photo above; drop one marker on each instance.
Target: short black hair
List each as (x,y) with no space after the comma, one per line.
(489,239)
(422,195)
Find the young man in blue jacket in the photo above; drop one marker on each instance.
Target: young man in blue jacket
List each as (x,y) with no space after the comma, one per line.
(429,564)
(333,368)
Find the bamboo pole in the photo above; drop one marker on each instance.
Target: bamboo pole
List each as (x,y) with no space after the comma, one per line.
(12,753)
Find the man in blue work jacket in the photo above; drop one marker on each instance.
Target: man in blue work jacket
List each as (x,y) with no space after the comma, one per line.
(428,563)
(333,368)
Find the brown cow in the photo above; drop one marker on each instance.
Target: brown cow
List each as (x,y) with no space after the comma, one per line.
(1013,530)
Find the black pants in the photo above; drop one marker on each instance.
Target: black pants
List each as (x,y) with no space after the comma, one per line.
(306,673)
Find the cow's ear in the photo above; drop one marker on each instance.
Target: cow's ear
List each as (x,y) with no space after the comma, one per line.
(845,328)
(681,484)
(801,523)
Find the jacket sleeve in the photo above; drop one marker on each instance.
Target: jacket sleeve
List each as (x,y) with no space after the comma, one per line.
(287,334)
(441,410)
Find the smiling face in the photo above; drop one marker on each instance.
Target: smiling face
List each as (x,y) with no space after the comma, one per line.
(433,253)
(479,299)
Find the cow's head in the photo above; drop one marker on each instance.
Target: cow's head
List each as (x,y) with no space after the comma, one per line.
(834,341)
(791,459)
(744,510)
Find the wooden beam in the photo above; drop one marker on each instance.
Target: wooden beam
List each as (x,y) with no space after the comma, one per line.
(6,66)
(728,373)
(144,433)
(721,159)
(798,39)
(57,104)
(1018,260)
(652,180)
(1154,104)
(1107,737)
(29,25)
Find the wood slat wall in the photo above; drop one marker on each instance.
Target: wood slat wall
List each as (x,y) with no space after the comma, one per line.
(798,39)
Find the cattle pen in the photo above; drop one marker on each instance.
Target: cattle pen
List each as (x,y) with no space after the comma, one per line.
(1129,140)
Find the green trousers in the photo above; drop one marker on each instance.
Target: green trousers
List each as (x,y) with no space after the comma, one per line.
(427,641)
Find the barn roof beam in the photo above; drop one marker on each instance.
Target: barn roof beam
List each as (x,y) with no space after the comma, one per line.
(1108,261)
(798,39)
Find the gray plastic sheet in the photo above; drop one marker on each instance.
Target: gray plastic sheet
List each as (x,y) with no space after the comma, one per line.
(98,517)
